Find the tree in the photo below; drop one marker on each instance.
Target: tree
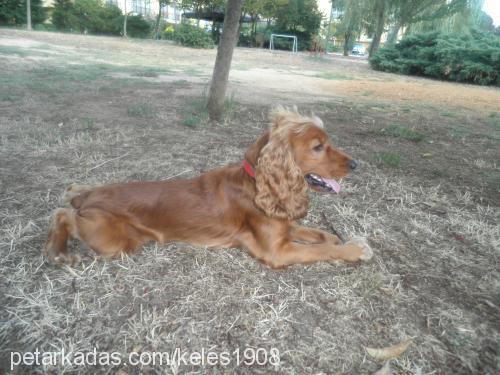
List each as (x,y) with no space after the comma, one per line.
(485,22)
(408,12)
(380,19)
(352,21)
(206,9)
(87,16)
(86,13)
(256,9)
(14,12)
(225,50)
(299,17)
(253,8)
(161,5)
(62,15)
(109,19)
(28,14)
(461,19)
(125,17)
(137,26)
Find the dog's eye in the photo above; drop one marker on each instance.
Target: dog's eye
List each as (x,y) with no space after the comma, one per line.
(318,148)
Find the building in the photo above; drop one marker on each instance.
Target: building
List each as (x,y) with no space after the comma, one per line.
(171,13)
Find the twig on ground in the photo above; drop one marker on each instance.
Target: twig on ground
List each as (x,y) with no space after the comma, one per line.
(107,161)
(334,231)
(178,174)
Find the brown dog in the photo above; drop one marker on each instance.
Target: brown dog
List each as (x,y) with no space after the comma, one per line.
(253,204)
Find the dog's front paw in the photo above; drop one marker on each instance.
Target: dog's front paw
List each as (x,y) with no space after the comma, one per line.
(67,259)
(366,250)
(60,259)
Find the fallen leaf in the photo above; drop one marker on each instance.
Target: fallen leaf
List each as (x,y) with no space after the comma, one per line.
(461,238)
(384,370)
(383,354)
(388,291)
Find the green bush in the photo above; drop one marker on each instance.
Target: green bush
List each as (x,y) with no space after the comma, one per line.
(137,26)
(95,17)
(168,33)
(472,58)
(192,36)
(90,16)
(110,20)
(44,27)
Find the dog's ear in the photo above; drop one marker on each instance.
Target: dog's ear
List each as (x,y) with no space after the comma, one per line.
(281,187)
(253,152)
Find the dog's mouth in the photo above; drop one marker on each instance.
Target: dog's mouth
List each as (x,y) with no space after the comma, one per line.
(318,183)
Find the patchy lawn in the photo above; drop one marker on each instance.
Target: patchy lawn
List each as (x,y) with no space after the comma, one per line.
(97,110)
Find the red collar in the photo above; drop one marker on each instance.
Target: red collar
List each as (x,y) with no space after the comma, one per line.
(248,168)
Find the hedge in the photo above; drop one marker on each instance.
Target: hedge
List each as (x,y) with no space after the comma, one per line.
(96,17)
(192,36)
(472,57)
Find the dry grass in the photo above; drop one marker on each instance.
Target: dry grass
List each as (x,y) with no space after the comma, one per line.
(434,277)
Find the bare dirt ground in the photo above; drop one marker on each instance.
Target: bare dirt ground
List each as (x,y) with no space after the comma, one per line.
(97,110)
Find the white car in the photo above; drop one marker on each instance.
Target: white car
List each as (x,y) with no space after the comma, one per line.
(358,49)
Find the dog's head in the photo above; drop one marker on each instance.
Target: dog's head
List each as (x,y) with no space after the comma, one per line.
(294,154)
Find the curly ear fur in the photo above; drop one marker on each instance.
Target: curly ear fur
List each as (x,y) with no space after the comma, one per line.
(281,187)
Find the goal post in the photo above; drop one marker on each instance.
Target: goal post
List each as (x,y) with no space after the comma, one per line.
(271,41)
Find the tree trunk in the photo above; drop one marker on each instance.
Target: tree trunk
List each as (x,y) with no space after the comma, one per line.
(125,20)
(175,16)
(379,29)
(28,14)
(253,17)
(157,26)
(125,25)
(393,34)
(225,50)
(215,31)
(347,40)
(328,31)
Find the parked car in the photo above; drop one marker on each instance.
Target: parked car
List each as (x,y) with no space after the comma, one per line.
(358,49)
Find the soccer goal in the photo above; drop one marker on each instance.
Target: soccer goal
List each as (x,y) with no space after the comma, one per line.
(271,42)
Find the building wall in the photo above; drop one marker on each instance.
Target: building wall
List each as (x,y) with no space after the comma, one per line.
(149,8)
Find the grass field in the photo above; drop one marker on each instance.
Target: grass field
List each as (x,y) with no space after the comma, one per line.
(81,109)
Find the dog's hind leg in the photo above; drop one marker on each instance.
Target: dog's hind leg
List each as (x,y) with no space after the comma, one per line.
(75,195)
(62,228)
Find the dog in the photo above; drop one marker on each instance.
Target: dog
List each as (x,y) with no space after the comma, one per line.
(254,204)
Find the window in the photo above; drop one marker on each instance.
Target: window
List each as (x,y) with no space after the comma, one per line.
(147,7)
(141,7)
(136,6)
(171,12)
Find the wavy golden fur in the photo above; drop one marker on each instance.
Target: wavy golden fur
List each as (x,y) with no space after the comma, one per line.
(225,207)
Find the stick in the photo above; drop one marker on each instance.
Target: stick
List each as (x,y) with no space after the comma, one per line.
(107,161)
(178,174)
(334,231)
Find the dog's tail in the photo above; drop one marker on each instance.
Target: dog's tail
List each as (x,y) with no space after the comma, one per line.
(75,195)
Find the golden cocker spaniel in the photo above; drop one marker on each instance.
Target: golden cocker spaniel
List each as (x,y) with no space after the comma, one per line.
(253,205)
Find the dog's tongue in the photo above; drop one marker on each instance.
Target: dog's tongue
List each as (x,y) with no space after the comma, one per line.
(333,184)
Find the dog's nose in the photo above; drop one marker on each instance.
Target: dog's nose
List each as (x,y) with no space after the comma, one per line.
(353,164)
